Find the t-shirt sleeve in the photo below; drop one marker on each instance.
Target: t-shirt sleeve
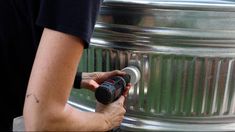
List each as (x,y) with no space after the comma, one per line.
(75,17)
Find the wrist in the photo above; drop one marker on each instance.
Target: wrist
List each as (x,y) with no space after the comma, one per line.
(78,80)
(107,125)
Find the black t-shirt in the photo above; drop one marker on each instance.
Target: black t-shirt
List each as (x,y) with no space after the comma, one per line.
(21,25)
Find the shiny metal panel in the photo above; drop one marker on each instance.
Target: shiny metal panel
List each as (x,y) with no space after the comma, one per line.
(162,26)
(173,88)
(172,85)
(185,51)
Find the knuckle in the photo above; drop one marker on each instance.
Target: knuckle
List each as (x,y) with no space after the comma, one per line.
(124,110)
(122,118)
(97,75)
(116,72)
(90,82)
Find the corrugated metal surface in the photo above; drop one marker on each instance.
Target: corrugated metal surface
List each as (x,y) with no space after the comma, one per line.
(172,85)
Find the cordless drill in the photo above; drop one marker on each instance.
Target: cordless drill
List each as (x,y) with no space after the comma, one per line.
(111,89)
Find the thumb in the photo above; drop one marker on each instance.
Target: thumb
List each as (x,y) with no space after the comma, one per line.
(95,84)
(92,85)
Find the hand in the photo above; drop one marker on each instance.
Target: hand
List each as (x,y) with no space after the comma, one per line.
(92,80)
(113,113)
(126,91)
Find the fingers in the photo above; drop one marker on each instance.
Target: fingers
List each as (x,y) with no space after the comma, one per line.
(128,87)
(113,112)
(94,85)
(90,84)
(92,80)
(117,72)
(100,77)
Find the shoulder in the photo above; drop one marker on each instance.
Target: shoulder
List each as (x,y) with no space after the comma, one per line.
(75,17)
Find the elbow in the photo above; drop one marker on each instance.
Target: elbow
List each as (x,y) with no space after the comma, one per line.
(36,119)
(30,121)
(34,122)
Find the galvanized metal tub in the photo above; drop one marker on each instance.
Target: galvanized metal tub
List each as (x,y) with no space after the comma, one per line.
(185,51)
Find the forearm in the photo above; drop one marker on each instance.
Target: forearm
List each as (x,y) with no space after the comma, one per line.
(50,84)
(84,121)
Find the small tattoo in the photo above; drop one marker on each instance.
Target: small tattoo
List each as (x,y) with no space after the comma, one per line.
(36,99)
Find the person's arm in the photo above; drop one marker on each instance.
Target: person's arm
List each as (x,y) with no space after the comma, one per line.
(50,84)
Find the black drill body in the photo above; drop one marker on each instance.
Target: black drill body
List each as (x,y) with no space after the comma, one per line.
(111,89)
